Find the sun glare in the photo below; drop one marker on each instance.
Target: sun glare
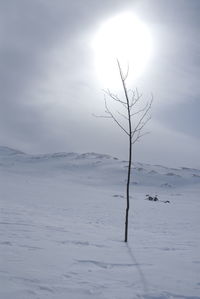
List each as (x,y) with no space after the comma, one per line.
(126,38)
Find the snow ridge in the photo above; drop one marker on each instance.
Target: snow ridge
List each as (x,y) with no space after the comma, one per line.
(98,166)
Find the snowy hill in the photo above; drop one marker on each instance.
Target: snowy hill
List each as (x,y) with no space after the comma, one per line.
(96,166)
(62,226)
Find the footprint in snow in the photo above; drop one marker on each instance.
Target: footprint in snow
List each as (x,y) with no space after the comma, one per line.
(104,265)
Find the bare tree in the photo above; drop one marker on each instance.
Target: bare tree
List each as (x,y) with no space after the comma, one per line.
(135,120)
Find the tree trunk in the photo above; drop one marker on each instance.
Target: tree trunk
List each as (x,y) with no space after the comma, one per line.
(130,152)
(128,189)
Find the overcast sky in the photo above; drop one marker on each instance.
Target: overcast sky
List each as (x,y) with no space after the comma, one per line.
(49,88)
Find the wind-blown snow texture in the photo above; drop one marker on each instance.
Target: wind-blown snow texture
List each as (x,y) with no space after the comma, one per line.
(62,229)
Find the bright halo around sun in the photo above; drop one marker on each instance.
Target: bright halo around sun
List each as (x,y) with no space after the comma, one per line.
(126,38)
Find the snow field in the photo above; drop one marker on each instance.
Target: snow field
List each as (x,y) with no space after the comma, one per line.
(62,230)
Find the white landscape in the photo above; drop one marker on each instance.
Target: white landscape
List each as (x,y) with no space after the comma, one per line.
(62,228)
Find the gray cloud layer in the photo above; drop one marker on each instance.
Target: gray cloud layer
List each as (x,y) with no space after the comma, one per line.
(48,86)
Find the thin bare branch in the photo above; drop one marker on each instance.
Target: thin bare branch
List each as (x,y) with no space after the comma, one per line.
(114,97)
(114,118)
(135,98)
(139,137)
(120,72)
(139,129)
(101,116)
(139,111)
(142,117)
(123,115)
(127,72)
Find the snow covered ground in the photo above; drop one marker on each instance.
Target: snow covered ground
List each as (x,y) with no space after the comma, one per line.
(62,229)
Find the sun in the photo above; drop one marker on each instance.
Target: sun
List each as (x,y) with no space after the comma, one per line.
(126,38)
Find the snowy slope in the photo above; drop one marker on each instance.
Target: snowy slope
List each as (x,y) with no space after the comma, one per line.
(62,226)
(99,167)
